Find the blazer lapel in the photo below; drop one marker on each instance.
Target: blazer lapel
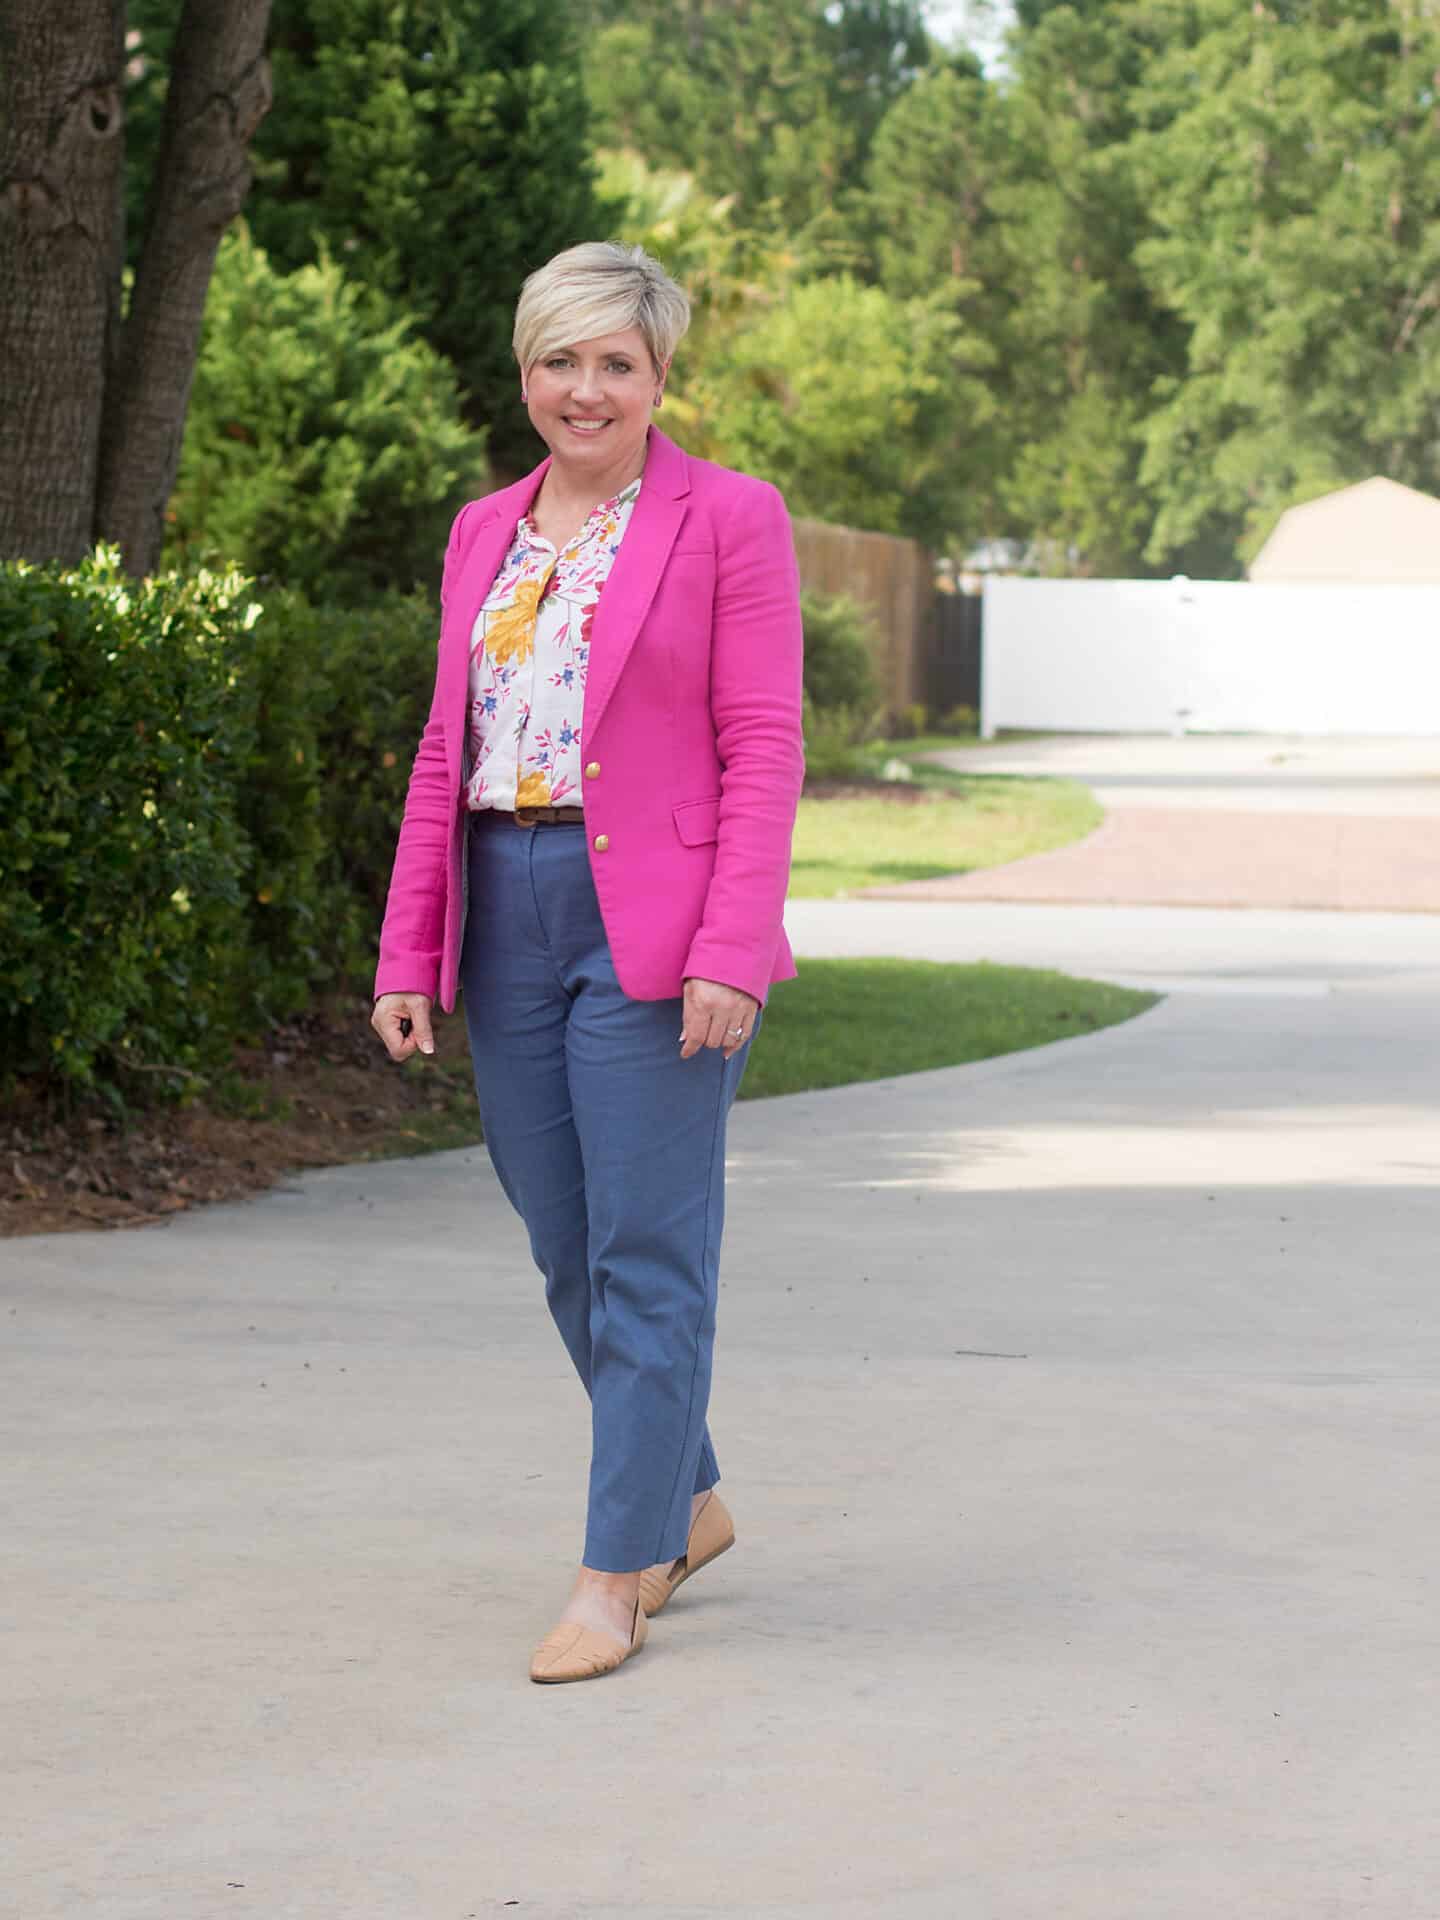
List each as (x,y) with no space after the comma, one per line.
(489,543)
(629,589)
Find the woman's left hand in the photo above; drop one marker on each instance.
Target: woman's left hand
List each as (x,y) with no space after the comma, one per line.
(716,1016)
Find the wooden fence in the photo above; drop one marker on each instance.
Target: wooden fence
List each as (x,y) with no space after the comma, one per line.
(895,580)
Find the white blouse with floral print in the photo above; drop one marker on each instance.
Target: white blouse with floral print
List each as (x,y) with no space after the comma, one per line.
(529,653)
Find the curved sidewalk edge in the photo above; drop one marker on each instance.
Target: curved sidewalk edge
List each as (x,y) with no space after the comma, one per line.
(1072,1405)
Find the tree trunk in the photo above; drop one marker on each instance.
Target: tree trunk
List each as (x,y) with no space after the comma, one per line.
(219,93)
(61,246)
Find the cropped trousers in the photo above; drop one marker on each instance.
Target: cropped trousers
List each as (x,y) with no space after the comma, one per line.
(612,1150)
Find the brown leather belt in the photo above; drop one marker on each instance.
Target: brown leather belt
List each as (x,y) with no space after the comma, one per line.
(540,816)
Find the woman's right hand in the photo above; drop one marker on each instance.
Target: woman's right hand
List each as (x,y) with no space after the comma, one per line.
(390,1010)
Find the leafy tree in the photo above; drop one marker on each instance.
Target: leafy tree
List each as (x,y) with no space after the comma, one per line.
(1289,157)
(772,101)
(733,275)
(934,163)
(325,446)
(93,390)
(932,232)
(1083,339)
(1014,197)
(441,150)
(853,402)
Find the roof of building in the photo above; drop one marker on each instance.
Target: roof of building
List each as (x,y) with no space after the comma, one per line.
(1377,530)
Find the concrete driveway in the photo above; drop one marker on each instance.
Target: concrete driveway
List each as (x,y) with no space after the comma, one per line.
(1283,773)
(1079,1411)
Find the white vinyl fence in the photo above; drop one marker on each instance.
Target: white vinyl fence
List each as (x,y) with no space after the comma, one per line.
(1215,656)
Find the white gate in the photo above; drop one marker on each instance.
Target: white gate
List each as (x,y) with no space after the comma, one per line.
(1214,656)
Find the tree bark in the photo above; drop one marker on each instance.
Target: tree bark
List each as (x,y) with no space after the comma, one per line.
(61,247)
(219,93)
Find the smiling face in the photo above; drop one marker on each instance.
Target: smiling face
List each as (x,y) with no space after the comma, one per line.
(590,402)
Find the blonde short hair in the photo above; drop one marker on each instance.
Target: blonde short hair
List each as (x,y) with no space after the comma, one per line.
(599,287)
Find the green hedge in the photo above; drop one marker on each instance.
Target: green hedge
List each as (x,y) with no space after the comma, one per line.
(359,682)
(201,787)
(200,792)
(127,728)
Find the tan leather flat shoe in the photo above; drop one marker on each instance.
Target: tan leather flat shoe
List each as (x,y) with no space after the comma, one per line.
(573,1652)
(712,1533)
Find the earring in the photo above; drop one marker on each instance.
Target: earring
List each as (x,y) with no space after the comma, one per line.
(524,396)
(659,395)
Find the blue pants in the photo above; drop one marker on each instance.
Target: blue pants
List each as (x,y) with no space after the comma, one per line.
(612,1150)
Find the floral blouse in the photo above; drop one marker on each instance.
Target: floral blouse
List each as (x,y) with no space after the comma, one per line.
(529,652)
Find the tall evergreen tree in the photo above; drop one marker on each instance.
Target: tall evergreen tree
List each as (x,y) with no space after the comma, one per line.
(773,101)
(935,161)
(1009,195)
(857,404)
(440,150)
(1289,155)
(1081,341)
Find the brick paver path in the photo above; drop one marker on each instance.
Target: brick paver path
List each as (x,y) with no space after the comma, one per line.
(1217,857)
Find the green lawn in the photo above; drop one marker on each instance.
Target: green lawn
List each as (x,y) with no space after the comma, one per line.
(842,1020)
(848,1020)
(963,821)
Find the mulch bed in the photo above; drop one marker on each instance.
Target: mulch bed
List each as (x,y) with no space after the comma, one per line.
(321,1092)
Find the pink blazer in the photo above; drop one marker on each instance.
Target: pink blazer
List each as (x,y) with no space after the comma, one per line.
(691,714)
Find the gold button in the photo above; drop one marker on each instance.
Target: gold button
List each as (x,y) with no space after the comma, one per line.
(602,841)
(592,772)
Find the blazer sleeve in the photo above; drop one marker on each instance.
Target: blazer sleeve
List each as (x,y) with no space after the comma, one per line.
(756,668)
(412,933)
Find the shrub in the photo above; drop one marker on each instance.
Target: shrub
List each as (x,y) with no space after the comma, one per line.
(909,722)
(960,720)
(201,788)
(324,445)
(835,743)
(839,637)
(127,727)
(368,676)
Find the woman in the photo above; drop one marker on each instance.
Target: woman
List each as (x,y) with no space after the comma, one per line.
(596,844)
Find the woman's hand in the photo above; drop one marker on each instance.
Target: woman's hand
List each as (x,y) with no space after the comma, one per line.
(415,1037)
(716,1016)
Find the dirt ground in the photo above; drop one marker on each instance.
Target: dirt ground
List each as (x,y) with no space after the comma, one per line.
(321,1092)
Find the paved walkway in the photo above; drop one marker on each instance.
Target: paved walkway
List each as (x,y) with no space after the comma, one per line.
(1248,773)
(1166,949)
(1080,1414)
(1226,822)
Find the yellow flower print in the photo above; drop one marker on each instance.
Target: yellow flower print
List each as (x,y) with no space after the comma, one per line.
(510,634)
(532,790)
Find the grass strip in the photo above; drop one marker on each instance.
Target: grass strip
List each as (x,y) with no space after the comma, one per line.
(324,1093)
(843,1021)
(849,1020)
(940,823)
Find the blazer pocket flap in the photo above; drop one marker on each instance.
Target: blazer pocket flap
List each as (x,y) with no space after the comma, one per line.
(697,821)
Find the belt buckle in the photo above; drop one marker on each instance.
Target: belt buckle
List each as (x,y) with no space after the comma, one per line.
(526,816)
